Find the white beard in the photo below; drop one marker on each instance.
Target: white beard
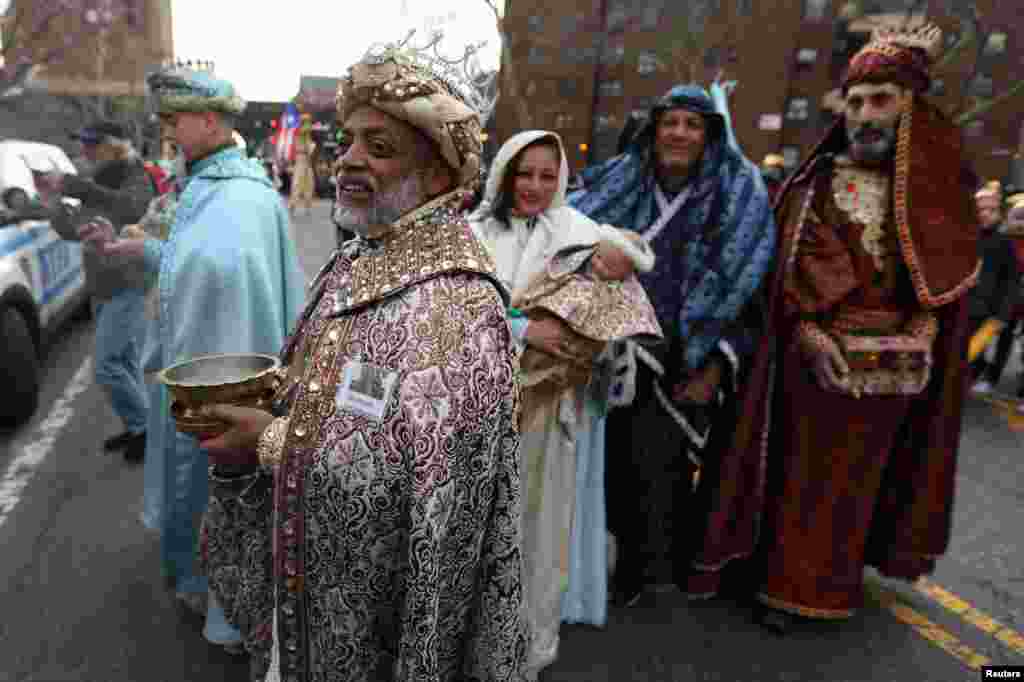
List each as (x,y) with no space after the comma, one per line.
(387,207)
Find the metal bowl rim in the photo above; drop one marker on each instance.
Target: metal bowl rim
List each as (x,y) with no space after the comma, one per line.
(162,374)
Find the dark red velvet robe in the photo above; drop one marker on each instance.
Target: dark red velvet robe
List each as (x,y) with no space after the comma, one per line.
(875,486)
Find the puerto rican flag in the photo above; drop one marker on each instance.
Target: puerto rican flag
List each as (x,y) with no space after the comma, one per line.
(287,131)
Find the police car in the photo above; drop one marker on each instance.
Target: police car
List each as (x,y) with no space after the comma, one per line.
(42,280)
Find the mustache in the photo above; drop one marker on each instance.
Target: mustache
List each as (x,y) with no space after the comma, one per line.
(355,181)
(865,129)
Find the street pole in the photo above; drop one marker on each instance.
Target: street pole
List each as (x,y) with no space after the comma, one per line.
(598,67)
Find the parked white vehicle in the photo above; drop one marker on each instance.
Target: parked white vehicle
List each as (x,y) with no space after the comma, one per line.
(42,281)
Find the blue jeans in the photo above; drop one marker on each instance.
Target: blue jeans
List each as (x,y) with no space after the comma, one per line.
(120,324)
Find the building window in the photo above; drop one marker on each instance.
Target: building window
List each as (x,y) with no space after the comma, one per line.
(995,45)
(605,143)
(799,109)
(570,23)
(603,123)
(981,86)
(535,22)
(568,87)
(580,55)
(563,121)
(713,57)
(806,57)
(611,89)
(938,88)
(613,54)
(537,56)
(790,156)
(647,63)
(651,15)
(814,10)
(891,6)
(744,8)
(618,14)
(827,118)
(644,104)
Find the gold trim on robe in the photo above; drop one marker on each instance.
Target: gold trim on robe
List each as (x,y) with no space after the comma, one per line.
(421,245)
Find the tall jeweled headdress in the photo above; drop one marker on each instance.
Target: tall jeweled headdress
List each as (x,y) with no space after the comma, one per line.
(897,55)
(419,86)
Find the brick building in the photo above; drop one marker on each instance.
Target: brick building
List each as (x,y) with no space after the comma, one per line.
(112,66)
(115,63)
(582,66)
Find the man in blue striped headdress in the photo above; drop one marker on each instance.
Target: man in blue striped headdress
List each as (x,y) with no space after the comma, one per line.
(685,187)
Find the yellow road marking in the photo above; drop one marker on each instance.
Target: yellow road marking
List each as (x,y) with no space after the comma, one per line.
(933,632)
(951,602)
(1008,408)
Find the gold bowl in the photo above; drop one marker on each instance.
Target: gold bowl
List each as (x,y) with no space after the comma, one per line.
(242,379)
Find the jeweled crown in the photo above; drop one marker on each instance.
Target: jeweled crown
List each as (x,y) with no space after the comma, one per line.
(461,76)
(926,37)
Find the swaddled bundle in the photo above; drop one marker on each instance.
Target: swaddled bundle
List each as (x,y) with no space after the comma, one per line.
(599,310)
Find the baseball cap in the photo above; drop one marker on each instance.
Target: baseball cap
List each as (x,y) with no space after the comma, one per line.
(95,132)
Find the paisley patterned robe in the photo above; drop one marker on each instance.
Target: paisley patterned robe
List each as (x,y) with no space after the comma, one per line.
(396,534)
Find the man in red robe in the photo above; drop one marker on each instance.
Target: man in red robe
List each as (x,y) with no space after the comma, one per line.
(865,367)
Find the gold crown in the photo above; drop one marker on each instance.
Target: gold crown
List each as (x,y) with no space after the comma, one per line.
(773,160)
(927,37)
(1016,200)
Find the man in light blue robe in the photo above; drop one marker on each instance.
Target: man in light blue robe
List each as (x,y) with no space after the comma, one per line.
(228,281)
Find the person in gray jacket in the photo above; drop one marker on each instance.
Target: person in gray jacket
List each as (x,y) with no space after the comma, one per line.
(119,191)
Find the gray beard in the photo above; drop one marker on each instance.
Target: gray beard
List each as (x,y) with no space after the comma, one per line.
(874,152)
(387,207)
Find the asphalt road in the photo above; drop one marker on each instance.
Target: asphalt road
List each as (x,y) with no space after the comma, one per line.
(81,599)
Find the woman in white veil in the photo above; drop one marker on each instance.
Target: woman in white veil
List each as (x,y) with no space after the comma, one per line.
(524,222)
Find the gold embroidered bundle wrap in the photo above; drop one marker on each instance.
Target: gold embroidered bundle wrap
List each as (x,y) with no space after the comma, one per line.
(599,311)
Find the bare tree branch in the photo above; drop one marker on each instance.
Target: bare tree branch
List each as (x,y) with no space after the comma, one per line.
(984,106)
(494,8)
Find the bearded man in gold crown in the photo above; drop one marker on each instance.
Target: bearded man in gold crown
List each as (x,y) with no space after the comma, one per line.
(368,528)
(862,422)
